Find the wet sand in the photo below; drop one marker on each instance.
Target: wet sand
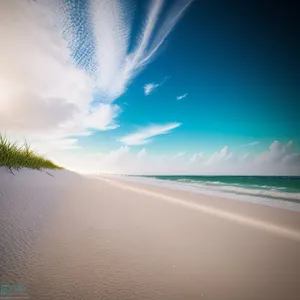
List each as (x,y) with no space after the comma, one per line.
(75,237)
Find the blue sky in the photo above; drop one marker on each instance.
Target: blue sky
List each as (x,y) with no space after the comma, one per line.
(221,77)
(237,81)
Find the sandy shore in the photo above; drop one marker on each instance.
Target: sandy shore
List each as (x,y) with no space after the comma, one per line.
(75,237)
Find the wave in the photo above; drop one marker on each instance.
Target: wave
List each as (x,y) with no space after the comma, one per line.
(271,192)
(280,183)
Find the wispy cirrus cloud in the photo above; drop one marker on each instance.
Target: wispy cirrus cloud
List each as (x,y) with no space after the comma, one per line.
(116,67)
(76,60)
(181,97)
(143,135)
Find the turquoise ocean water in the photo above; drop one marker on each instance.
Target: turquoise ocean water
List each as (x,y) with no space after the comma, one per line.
(287,184)
(281,187)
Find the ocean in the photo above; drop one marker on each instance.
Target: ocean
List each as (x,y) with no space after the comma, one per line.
(279,191)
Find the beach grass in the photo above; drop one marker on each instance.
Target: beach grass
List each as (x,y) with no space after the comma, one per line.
(15,156)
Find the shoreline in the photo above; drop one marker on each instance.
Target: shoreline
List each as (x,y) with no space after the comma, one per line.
(216,206)
(262,199)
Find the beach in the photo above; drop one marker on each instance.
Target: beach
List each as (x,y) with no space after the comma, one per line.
(71,236)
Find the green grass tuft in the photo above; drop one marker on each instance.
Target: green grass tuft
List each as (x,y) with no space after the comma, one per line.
(13,156)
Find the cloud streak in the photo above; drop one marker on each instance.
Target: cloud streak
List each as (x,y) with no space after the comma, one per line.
(181,97)
(250,144)
(143,135)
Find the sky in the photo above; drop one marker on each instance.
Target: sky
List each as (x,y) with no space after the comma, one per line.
(154,86)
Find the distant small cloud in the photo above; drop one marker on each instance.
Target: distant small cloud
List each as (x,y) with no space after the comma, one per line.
(250,144)
(181,96)
(150,87)
(143,135)
(196,157)
(223,155)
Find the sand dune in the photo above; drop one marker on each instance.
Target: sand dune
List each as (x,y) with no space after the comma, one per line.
(78,237)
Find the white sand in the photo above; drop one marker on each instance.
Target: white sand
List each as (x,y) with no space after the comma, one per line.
(76,237)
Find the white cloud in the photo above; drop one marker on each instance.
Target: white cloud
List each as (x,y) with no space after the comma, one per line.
(149,88)
(181,97)
(50,75)
(217,157)
(196,157)
(102,117)
(223,162)
(143,135)
(275,154)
